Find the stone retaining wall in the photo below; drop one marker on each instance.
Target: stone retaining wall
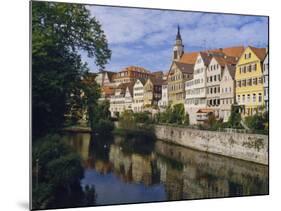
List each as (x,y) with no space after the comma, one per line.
(250,147)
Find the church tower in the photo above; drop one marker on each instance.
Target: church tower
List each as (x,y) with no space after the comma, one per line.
(178,49)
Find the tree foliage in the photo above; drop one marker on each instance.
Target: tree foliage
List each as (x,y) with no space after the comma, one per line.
(60,32)
(234,120)
(175,114)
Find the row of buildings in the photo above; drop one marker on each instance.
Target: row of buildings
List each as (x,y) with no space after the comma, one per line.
(208,81)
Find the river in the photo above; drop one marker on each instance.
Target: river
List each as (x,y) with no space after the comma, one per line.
(122,173)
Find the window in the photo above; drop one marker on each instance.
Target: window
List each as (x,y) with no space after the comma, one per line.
(249,82)
(260,80)
(238,83)
(215,78)
(211,79)
(254,81)
(254,97)
(260,97)
(243,82)
(243,98)
(248,98)
(254,67)
(238,98)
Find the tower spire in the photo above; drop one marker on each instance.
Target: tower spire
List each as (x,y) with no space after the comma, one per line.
(178,49)
(178,34)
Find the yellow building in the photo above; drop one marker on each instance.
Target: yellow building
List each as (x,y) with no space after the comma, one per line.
(249,80)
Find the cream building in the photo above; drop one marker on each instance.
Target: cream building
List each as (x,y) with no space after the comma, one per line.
(128,98)
(138,91)
(265,81)
(152,91)
(121,100)
(227,93)
(195,89)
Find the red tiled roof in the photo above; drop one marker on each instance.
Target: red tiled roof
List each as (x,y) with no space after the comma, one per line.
(260,52)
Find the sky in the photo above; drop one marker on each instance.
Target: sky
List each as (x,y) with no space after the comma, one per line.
(145,37)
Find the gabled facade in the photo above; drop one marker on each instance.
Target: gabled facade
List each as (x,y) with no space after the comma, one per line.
(122,99)
(227,93)
(214,74)
(195,89)
(179,73)
(249,80)
(105,78)
(138,91)
(152,91)
(128,98)
(265,81)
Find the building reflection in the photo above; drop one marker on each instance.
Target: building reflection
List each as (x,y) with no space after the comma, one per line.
(189,174)
(185,173)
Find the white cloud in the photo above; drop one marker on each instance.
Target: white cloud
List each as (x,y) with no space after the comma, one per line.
(145,37)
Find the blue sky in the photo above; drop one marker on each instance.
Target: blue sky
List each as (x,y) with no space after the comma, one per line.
(145,37)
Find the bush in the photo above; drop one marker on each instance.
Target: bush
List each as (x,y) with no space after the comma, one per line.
(57,171)
(186,119)
(256,122)
(104,127)
(142,117)
(173,114)
(127,120)
(234,120)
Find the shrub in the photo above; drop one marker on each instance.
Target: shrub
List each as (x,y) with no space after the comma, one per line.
(142,117)
(104,127)
(256,122)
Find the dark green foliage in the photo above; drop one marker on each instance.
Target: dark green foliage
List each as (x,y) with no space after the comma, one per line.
(186,119)
(99,119)
(59,31)
(257,122)
(127,121)
(58,173)
(234,120)
(142,117)
(173,114)
(104,127)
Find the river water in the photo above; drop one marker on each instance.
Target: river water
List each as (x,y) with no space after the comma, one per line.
(122,173)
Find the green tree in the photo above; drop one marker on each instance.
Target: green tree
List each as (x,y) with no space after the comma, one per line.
(186,119)
(59,32)
(234,120)
(256,122)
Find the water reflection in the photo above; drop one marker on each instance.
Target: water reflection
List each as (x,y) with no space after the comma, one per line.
(162,172)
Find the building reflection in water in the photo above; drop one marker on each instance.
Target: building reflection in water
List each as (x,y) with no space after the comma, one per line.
(184,173)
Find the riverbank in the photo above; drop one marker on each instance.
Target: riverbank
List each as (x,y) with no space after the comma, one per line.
(244,146)
(249,147)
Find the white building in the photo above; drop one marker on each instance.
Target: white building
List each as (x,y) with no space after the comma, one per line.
(195,98)
(128,98)
(227,93)
(138,93)
(164,102)
(105,78)
(214,73)
(118,100)
(265,81)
